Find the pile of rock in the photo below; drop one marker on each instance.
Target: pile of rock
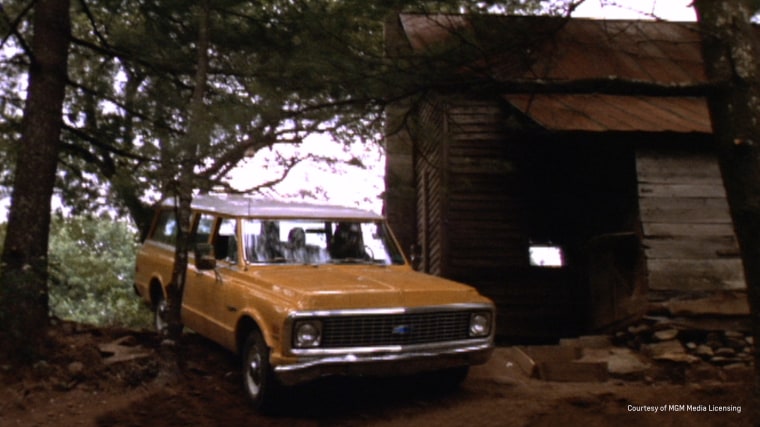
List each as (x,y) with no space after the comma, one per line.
(664,339)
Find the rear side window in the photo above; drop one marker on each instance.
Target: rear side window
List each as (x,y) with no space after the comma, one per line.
(203,230)
(166,228)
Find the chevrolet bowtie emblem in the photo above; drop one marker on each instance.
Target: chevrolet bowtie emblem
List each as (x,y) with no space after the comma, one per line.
(402,330)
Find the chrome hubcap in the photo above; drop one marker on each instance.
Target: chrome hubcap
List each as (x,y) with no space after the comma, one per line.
(254,373)
(161,312)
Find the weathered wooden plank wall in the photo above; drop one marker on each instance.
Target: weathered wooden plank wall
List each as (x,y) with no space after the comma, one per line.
(429,175)
(485,207)
(687,234)
(400,192)
(486,224)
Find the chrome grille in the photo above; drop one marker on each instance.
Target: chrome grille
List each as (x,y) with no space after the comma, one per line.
(394,329)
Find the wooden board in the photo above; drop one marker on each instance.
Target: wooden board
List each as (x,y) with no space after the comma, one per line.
(688,238)
(680,167)
(692,248)
(695,275)
(685,210)
(691,190)
(669,229)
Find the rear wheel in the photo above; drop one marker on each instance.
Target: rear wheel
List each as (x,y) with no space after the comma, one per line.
(258,379)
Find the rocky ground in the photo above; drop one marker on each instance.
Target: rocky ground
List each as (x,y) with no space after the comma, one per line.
(109,377)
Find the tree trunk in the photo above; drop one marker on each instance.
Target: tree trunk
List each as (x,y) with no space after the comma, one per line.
(23,282)
(197,135)
(732,58)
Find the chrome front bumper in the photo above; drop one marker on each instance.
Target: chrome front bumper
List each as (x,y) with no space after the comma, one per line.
(399,361)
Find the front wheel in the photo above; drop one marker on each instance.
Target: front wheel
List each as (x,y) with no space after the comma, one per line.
(258,379)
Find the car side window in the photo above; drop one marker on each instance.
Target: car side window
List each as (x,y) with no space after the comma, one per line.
(166,228)
(203,230)
(225,241)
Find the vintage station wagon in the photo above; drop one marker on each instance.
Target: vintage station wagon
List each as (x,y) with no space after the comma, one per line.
(302,291)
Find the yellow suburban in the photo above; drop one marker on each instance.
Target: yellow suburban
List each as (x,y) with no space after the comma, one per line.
(302,291)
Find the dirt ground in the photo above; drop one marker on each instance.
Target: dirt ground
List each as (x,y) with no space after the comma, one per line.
(109,377)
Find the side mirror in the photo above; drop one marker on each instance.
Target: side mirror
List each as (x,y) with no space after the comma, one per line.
(204,257)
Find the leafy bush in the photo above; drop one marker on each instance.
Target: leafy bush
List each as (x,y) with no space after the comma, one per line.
(92,267)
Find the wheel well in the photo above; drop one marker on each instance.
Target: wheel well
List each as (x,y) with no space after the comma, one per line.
(156,291)
(245,326)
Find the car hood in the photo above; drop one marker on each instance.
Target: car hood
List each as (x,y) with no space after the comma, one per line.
(327,287)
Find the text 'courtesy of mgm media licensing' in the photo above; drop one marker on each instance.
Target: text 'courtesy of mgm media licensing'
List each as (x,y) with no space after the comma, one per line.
(736,409)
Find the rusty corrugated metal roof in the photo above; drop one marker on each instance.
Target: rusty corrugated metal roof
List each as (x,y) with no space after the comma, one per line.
(424,31)
(641,51)
(600,113)
(560,49)
(547,50)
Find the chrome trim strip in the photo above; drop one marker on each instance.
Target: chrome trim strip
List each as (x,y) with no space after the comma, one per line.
(393,310)
(383,363)
(390,349)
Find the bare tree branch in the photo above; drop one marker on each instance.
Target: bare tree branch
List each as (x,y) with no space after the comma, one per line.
(13,28)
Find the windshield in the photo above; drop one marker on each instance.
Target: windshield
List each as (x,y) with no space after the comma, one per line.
(318,242)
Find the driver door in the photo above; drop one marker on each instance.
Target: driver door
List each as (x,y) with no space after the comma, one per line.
(197,281)
(203,303)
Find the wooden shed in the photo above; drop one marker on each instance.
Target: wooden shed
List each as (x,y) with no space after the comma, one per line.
(577,185)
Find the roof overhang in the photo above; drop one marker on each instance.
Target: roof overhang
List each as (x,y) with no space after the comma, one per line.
(622,113)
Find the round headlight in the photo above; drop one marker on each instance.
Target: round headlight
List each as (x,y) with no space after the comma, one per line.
(480,324)
(308,334)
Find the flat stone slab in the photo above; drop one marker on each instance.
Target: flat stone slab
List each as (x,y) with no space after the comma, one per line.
(672,351)
(620,361)
(587,341)
(504,367)
(666,334)
(722,305)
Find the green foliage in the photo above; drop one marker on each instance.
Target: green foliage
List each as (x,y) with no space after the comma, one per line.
(92,268)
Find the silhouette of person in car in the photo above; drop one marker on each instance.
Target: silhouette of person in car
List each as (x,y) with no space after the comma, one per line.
(347,241)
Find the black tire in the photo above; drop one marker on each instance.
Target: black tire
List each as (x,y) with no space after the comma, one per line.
(259,382)
(160,314)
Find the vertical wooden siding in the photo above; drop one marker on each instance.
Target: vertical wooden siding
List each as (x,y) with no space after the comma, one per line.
(485,211)
(485,204)
(400,192)
(687,231)
(429,182)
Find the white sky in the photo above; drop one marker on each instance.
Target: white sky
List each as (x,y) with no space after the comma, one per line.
(338,184)
(670,10)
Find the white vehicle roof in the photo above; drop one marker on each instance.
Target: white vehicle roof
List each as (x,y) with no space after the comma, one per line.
(247,206)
